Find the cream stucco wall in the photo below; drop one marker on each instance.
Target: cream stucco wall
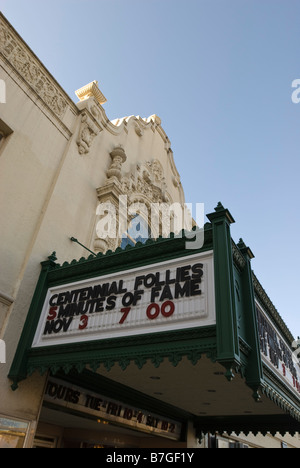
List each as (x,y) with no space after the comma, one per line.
(50,168)
(52,161)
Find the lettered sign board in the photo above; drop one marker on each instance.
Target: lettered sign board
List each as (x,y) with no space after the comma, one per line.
(173,295)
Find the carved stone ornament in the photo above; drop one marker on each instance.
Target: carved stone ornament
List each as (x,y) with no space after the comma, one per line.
(31,70)
(147,180)
(118,157)
(87,132)
(157,170)
(144,184)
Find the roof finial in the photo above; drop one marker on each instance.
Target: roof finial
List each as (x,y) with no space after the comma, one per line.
(91,90)
(219,207)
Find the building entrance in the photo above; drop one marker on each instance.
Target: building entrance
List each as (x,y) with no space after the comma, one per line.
(76,417)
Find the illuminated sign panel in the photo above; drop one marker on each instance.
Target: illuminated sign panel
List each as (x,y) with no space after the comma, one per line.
(173,295)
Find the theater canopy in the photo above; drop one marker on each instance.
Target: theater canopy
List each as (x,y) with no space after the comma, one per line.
(187,334)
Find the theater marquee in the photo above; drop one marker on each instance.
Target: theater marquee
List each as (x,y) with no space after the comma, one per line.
(173,295)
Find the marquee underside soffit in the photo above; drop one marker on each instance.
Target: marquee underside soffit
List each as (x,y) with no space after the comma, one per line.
(177,369)
(199,392)
(200,389)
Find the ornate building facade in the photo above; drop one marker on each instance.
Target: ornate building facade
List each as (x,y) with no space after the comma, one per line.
(72,181)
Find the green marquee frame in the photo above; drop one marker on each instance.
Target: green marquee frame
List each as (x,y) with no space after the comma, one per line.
(233,342)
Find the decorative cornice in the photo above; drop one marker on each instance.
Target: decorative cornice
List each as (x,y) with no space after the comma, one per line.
(281,402)
(280,393)
(238,258)
(193,344)
(271,310)
(255,424)
(29,67)
(245,347)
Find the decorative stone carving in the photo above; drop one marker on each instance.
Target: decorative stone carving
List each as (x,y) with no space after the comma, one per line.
(138,130)
(95,112)
(118,157)
(155,119)
(103,245)
(87,132)
(145,184)
(176,181)
(31,70)
(109,193)
(157,170)
(146,180)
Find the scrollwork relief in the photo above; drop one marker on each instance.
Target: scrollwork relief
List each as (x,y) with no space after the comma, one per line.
(31,71)
(87,132)
(144,184)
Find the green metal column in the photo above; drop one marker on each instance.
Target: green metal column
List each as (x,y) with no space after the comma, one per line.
(254,374)
(227,330)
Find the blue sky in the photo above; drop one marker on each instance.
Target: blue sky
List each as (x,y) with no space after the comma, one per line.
(219,74)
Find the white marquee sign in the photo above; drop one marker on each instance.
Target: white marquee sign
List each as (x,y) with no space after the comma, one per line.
(173,295)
